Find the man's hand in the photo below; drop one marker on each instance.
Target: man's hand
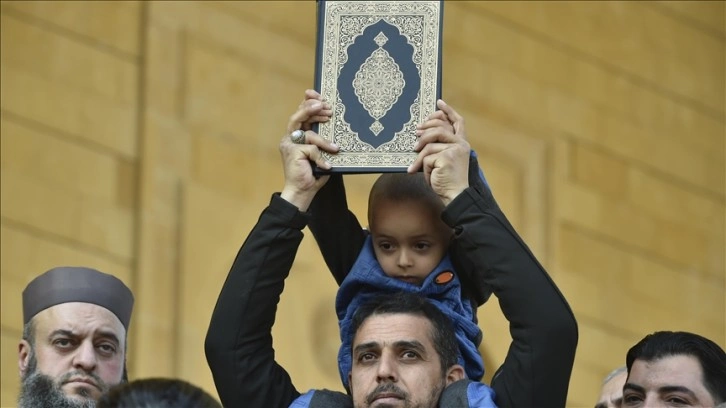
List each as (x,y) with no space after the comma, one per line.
(300,183)
(443,153)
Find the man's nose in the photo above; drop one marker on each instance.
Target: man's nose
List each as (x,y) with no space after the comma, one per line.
(387,369)
(85,357)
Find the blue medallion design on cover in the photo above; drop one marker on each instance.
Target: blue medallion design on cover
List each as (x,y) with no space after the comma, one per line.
(378,83)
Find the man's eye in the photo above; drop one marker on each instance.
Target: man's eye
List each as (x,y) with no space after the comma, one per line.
(678,401)
(410,355)
(422,246)
(631,400)
(107,348)
(366,357)
(63,343)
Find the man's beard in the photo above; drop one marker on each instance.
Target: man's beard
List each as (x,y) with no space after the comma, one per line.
(388,387)
(38,390)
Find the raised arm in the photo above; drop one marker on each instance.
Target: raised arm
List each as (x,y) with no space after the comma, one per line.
(239,340)
(335,228)
(536,371)
(238,345)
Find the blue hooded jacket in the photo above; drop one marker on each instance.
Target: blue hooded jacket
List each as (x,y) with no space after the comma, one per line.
(441,287)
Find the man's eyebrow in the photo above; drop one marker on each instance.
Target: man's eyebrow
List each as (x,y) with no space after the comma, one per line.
(69,333)
(62,332)
(365,346)
(409,344)
(401,344)
(634,387)
(677,388)
(109,335)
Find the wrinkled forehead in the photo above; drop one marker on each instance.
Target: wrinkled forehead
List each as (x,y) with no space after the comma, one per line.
(79,318)
(390,328)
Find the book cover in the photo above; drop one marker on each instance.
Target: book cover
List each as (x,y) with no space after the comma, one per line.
(378,63)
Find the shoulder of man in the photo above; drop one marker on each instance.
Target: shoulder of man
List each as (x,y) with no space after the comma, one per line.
(323,399)
(467,394)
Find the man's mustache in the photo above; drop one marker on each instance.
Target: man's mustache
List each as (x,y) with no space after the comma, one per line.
(80,374)
(388,388)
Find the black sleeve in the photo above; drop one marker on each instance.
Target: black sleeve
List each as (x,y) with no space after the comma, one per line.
(536,371)
(335,228)
(238,345)
(476,291)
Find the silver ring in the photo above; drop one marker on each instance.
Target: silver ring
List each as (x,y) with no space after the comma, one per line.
(298,136)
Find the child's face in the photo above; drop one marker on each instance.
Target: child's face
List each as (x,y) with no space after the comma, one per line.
(409,239)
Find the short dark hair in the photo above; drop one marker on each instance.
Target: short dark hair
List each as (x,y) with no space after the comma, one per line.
(157,393)
(442,331)
(710,356)
(403,187)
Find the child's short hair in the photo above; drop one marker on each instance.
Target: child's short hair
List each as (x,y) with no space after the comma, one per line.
(403,187)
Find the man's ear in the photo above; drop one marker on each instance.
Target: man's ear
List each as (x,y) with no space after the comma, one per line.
(454,374)
(24,353)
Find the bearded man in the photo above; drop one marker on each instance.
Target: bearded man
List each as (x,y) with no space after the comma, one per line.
(73,349)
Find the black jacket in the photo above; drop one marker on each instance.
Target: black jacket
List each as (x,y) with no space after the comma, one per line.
(536,370)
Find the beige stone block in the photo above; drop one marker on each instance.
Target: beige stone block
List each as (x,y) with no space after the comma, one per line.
(164,72)
(291,57)
(701,297)
(175,150)
(672,202)
(226,165)
(674,242)
(57,161)
(126,190)
(86,221)
(11,313)
(174,15)
(631,37)
(710,14)
(155,325)
(108,227)
(65,108)
(580,206)
(26,201)
(672,157)
(282,17)
(27,254)
(239,95)
(502,96)
(114,24)
(221,88)
(632,290)
(10,385)
(218,26)
(507,47)
(58,58)
(599,170)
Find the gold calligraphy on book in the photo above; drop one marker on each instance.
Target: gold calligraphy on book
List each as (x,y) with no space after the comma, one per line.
(379,81)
